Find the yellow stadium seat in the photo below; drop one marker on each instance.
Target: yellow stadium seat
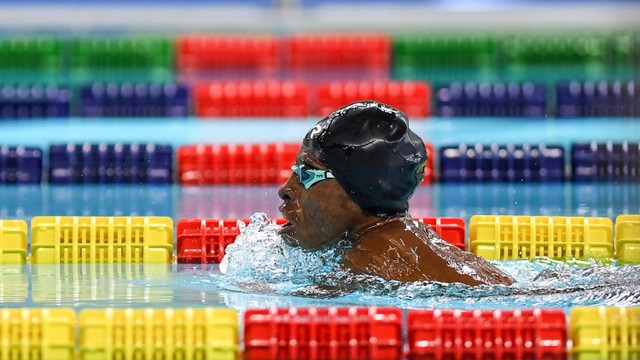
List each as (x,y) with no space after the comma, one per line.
(13,242)
(206,333)
(501,237)
(68,239)
(605,332)
(37,334)
(628,238)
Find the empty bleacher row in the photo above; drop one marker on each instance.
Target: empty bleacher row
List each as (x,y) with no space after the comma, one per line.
(320,333)
(274,98)
(309,74)
(150,240)
(270,163)
(324,51)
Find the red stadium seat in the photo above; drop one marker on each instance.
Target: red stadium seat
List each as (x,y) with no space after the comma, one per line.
(487,334)
(450,229)
(236,163)
(204,241)
(412,97)
(251,99)
(225,51)
(323,333)
(337,51)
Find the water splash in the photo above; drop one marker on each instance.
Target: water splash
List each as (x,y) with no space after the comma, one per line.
(259,254)
(260,262)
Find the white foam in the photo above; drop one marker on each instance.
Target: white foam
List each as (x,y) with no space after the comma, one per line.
(259,253)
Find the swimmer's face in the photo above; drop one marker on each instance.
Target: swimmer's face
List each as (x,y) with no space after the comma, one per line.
(318,216)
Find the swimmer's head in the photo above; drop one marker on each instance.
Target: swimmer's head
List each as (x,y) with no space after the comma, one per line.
(372,153)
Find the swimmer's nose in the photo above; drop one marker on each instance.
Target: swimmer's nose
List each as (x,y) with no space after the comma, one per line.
(286,190)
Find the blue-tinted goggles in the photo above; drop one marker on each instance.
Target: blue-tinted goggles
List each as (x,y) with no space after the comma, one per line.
(309,176)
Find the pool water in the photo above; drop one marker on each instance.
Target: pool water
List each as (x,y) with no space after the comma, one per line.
(228,201)
(540,283)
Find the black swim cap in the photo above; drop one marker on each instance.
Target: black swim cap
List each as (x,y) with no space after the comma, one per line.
(373,154)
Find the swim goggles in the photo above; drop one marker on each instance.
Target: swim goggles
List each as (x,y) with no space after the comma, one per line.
(309,176)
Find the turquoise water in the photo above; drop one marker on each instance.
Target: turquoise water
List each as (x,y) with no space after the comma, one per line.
(540,284)
(438,131)
(448,200)
(82,286)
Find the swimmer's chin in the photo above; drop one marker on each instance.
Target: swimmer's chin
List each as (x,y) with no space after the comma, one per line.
(286,231)
(288,234)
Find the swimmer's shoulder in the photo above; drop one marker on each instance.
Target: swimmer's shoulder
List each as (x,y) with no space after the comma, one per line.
(484,272)
(388,252)
(398,234)
(424,233)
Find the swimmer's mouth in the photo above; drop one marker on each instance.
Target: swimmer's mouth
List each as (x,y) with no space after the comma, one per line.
(286,225)
(285,215)
(286,231)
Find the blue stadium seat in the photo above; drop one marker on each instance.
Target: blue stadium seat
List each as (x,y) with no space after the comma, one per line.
(502,163)
(20,165)
(597,99)
(119,163)
(496,100)
(569,99)
(33,101)
(134,100)
(619,162)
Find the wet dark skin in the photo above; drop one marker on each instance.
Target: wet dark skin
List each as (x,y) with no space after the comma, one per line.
(394,248)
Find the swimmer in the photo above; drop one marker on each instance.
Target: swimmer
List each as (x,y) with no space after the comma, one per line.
(351,183)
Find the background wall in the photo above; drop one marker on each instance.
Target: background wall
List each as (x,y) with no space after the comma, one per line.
(290,15)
